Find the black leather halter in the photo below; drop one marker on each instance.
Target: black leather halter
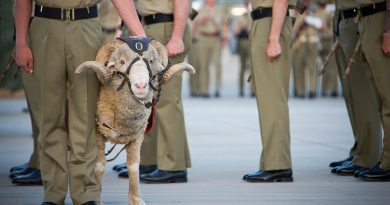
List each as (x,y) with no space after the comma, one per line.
(139,45)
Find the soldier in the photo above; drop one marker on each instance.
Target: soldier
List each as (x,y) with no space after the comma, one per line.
(211,25)
(375,42)
(360,96)
(110,20)
(271,62)
(329,78)
(164,152)
(27,173)
(306,52)
(242,34)
(53,65)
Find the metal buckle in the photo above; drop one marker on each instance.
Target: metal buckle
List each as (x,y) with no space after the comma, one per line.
(67,14)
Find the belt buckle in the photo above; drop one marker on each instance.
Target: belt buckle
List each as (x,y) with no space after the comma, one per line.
(67,14)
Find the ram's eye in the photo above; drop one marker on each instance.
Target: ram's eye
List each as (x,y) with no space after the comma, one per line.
(151,61)
(122,62)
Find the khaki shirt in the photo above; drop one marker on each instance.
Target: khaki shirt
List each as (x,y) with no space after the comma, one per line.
(269,3)
(108,15)
(149,7)
(346,4)
(67,3)
(213,25)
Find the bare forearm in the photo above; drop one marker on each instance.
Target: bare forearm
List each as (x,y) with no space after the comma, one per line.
(279,10)
(127,12)
(22,19)
(180,13)
(387,21)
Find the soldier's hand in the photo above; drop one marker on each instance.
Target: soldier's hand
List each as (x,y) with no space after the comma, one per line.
(175,46)
(386,43)
(273,50)
(24,58)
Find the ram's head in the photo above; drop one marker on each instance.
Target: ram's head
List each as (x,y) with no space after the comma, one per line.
(133,62)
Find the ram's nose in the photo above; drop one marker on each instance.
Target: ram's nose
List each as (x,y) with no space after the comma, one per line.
(140,89)
(141,85)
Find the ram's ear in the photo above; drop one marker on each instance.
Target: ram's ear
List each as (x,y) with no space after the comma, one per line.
(162,52)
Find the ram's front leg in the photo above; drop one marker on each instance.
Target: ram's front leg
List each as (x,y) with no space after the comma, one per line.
(101,162)
(133,160)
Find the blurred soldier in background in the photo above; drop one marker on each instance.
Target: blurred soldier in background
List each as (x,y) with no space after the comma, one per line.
(10,86)
(305,52)
(329,78)
(211,24)
(242,29)
(360,95)
(194,60)
(110,20)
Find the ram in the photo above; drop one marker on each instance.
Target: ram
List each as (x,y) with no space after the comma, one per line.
(132,71)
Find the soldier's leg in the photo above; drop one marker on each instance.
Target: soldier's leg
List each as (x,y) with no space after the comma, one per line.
(193,59)
(83,40)
(272,84)
(361,99)
(172,146)
(33,98)
(50,73)
(311,62)
(298,61)
(204,64)
(379,66)
(217,53)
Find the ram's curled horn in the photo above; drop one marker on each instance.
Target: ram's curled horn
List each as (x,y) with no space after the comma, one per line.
(102,72)
(162,52)
(99,66)
(177,68)
(106,50)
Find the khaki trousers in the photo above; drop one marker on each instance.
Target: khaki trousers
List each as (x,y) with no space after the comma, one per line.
(193,59)
(167,144)
(304,68)
(210,53)
(58,48)
(371,29)
(31,90)
(360,97)
(271,81)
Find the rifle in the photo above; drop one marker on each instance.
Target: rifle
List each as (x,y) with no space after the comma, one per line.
(327,59)
(352,59)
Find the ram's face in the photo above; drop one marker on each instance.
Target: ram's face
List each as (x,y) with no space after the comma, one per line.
(138,73)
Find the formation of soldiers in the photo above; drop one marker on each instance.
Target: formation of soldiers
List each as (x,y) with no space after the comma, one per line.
(313,38)
(62,107)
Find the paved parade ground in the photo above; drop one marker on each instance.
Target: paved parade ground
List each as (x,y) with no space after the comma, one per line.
(224,142)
